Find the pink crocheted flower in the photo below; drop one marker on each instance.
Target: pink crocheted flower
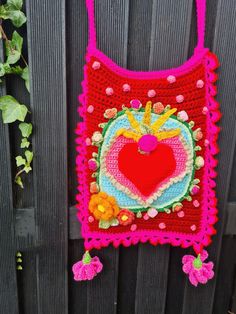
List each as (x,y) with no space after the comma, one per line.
(88,268)
(198,271)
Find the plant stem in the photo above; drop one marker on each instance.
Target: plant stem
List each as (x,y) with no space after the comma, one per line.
(4,36)
(19,172)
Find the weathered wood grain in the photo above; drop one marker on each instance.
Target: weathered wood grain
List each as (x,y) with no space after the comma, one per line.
(8,281)
(170,29)
(139,35)
(202,299)
(46,42)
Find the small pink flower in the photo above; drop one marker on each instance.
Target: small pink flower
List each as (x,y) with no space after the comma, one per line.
(195,190)
(88,268)
(135,104)
(199,162)
(158,107)
(197,134)
(198,271)
(93,164)
(94,187)
(110,113)
(97,137)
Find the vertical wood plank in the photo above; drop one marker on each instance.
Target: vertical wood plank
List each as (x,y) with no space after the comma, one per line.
(46,41)
(112,37)
(226,279)
(171,22)
(201,300)
(8,281)
(77,290)
(76,42)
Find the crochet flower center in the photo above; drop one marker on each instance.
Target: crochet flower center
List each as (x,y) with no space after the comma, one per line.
(86,258)
(197,263)
(147,143)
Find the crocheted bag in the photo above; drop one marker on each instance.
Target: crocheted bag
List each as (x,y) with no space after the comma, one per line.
(145,161)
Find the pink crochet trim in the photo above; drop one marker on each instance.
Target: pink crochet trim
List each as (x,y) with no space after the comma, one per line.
(209,211)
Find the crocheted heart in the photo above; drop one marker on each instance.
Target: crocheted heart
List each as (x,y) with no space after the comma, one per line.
(110,168)
(146,171)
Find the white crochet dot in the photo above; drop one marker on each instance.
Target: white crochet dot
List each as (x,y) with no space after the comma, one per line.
(171,79)
(162,225)
(151,93)
(96,65)
(193,227)
(204,110)
(179,99)
(109,91)
(126,88)
(90,109)
(200,84)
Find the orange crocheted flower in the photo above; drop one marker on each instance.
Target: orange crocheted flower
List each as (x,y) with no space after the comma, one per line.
(125,217)
(103,206)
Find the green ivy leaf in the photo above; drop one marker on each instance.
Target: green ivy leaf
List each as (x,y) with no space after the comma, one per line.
(15,4)
(27,169)
(104,224)
(12,110)
(19,181)
(24,143)
(25,76)
(25,128)
(29,156)
(20,161)
(3,12)
(2,69)
(13,48)
(15,70)
(11,11)
(114,222)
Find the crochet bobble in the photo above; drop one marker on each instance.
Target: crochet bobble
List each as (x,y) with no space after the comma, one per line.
(151,93)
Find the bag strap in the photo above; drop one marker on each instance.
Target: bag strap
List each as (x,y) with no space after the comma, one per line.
(201,12)
(92,41)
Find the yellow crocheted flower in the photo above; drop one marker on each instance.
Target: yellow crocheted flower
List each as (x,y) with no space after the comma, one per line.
(103,206)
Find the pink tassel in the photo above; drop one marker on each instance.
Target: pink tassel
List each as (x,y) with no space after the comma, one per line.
(198,271)
(88,268)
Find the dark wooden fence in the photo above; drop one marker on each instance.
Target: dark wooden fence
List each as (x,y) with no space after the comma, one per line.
(40,220)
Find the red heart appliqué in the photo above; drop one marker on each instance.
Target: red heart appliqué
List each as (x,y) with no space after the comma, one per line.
(146,171)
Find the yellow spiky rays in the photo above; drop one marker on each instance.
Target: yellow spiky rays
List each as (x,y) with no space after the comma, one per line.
(138,128)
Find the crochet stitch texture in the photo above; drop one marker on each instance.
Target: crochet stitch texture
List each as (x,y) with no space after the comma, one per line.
(108,90)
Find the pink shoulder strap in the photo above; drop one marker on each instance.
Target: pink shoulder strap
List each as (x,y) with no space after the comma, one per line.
(201,11)
(91,24)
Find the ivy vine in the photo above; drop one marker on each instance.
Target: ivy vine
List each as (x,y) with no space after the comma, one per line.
(14,63)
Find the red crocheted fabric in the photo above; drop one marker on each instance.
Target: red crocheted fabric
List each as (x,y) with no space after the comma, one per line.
(146,149)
